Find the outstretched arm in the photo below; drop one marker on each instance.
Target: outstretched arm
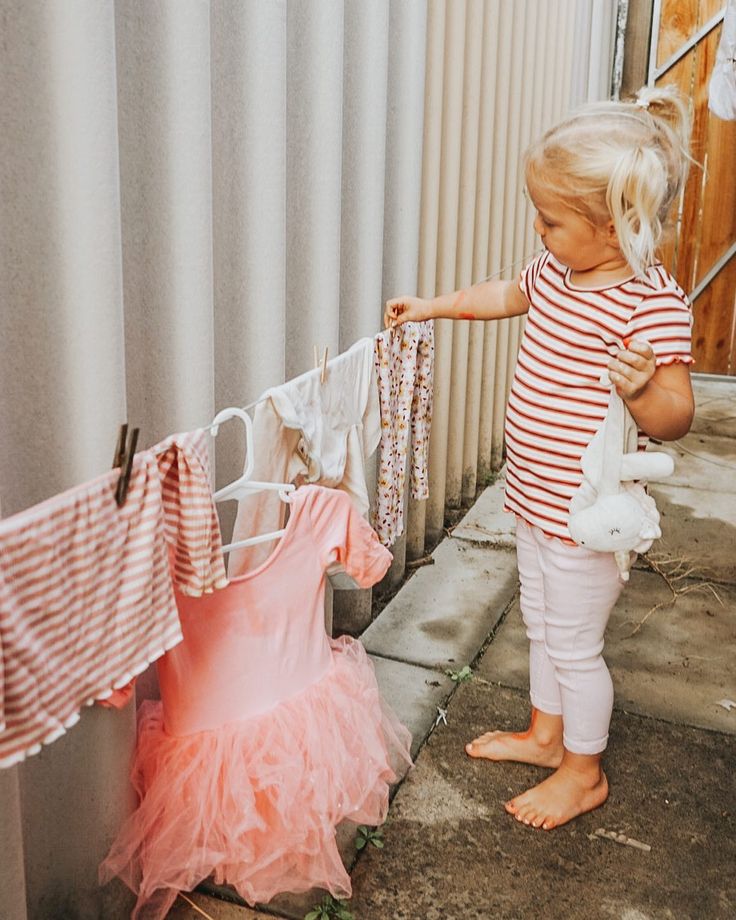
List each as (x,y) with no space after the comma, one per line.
(488,300)
(659,398)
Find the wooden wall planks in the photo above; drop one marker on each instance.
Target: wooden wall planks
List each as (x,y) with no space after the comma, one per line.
(707,227)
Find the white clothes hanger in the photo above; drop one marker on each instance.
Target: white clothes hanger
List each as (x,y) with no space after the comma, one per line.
(244,485)
(214,429)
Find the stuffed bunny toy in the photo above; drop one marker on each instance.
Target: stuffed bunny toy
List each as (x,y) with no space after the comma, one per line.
(611,511)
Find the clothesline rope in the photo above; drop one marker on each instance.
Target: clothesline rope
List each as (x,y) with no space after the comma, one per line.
(501,271)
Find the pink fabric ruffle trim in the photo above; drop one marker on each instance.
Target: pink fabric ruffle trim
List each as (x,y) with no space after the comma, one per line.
(255,803)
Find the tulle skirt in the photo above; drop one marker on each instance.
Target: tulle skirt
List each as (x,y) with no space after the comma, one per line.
(255,803)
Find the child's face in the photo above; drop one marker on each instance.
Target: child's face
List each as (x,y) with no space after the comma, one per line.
(570,238)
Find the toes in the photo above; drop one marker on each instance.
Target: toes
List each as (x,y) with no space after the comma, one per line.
(527,816)
(518,804)
(482,739)
(476,747)
(522,812)
(525,811)
(531,818)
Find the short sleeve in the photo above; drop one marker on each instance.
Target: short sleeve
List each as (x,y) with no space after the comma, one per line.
(343,536)
(530,273)
(664,319)
(191,523)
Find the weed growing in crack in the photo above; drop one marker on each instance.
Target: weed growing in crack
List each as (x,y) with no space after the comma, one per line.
(366,835)
(462,675)
(329,908)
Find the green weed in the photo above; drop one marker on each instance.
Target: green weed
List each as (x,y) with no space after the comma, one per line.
(462,675)
(329,909)
(366,835)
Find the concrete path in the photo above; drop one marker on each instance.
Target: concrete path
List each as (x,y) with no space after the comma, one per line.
(450,850)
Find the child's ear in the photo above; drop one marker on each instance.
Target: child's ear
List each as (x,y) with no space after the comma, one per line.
(611,235)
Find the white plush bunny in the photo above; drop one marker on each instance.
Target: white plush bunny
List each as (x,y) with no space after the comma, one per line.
(611,512)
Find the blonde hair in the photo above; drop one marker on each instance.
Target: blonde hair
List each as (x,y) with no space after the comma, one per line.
(620,161)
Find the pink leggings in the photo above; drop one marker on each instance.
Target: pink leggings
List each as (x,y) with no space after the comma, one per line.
(567,594)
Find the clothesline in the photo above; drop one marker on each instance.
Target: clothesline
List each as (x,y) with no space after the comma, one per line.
(264,396)
(171,485)
(326,526)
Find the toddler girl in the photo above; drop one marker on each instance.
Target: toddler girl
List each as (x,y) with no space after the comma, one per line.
(602,182)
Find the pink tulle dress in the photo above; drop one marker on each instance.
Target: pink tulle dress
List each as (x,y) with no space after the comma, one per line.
(268,732)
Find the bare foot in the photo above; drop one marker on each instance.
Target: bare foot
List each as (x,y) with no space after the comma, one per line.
(569,792)
(540,744)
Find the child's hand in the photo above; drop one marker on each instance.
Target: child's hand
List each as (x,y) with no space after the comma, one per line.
(632,369)
(405,310)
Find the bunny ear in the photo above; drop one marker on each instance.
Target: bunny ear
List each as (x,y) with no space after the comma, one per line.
(623,561)
(631,432)
(650,530)
(613,444)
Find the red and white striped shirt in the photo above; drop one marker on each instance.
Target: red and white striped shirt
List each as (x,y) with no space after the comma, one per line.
(86,596)
(557,401)
(190,519)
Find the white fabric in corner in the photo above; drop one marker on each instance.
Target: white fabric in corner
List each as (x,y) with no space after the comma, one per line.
(323,431)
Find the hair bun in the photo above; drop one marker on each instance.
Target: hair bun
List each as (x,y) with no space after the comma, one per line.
(668,104)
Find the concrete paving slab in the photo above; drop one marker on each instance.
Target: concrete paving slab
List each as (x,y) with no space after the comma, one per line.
(414,694)
(715,406)
(703,461)
(451,852)
(677,667)
(444,613)
(215,908)
(486,523)
(699,525)
(506,660)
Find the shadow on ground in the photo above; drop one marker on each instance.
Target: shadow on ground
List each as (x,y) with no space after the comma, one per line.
(452,852)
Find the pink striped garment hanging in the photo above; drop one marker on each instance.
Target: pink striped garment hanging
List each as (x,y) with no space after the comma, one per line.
(190,519)
(86,596)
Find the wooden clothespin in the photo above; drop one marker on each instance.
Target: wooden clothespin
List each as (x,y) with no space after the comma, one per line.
(123,460)
(321,363)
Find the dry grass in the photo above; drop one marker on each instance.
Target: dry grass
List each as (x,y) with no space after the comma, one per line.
(675,571)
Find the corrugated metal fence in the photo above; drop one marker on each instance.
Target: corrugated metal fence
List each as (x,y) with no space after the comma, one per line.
(498,74)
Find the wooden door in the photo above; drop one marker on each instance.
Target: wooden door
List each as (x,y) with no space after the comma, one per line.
(702,255)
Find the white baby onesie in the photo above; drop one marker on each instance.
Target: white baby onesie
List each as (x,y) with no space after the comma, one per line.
(323,431)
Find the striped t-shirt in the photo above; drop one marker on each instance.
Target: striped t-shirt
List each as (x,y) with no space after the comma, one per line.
(557,400)
(86,593)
